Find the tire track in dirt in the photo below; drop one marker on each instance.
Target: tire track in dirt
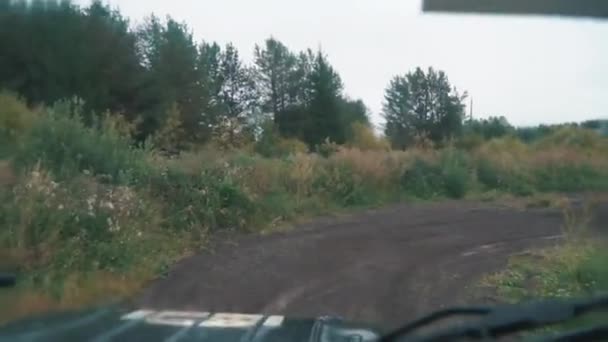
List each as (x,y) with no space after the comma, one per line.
(383,266)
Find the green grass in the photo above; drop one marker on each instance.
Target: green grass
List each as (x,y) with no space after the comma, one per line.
(572,270)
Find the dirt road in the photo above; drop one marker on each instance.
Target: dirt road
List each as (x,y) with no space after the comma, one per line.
(384,266)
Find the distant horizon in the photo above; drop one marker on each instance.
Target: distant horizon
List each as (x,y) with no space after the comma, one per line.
(527,69)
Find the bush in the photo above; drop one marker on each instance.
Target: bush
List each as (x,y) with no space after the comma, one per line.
(210,200)
(73,225)
(364,138)
(582,139)
(291,146)
(423,180)
(339,182)
(493,177)
(455,174)
(61,143)
(450,177)
(169,137)
(327,148)
(271,144)
(489,175)
(15,120)
(470,141)
(560,177)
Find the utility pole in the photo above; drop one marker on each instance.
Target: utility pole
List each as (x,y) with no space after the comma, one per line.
(471,110)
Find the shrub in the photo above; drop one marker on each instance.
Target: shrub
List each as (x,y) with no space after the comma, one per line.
(379,169)
(72,225)
(15,120)
(169,136)
(489,175)
(339,181)
(423,180)
(7,175)
(582,139)
(569,177)
(271,144)
(65,146)
(493,177)
(470,141)
(291,146)
(327,148)
(364,138)
(504,164)
(301,174)
(450,176)
(455,173)
(210,200)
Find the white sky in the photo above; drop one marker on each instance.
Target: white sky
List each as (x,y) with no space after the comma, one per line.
(530,70)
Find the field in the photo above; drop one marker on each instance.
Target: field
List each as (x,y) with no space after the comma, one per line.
(84,211)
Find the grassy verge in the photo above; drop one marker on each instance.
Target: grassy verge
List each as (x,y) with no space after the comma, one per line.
(574,268)
(86,216)
(571,270)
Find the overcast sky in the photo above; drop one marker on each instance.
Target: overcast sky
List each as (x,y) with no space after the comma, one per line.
(530,70)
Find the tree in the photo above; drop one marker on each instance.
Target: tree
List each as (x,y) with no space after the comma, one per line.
(238,91)
(172,59)
(492,127)
(353,113)
(324,121)
(156,76)
(424,104)
(54,50)
(294,120)
(275,66)
(108,72)
(209,68)
(238,96)
(397,110)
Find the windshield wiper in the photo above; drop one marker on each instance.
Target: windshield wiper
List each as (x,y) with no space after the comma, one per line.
(500,321)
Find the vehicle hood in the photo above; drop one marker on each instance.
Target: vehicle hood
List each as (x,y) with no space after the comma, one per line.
(119,324)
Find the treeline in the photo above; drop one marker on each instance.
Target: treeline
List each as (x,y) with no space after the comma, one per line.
(178,92)
(158,76)
(478,130)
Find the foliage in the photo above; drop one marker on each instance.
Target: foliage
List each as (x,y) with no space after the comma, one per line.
(447,177)
(15,120)
(363,137)
(456,175)
(168,136)
(47,54)
(155,69)
(492,127)
(423,180)
(568,178)
(340,181)
(573,269)
(61,143)
(422,103)
(574,138)
(80,194)
(492,176)
(327,148)
(277,69)
(470,141)
(569,270)
(271,144)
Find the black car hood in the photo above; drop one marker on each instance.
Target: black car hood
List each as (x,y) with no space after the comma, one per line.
(119,324)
